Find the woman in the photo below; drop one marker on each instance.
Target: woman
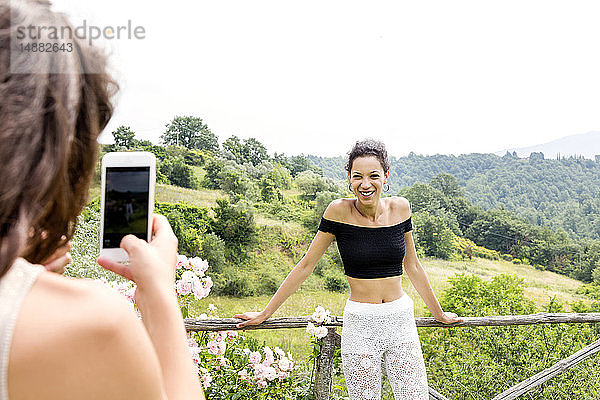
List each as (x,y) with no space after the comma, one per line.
(63,338)
(375,241)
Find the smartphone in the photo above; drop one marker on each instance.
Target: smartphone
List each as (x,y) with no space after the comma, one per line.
(127,202)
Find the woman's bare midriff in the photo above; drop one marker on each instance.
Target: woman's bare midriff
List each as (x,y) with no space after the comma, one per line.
(380,290)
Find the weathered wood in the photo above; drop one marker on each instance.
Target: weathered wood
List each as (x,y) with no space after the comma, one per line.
(549,373)
(322,388)
(433,394)
(301,322)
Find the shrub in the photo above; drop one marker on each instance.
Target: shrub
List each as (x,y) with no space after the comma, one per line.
(189,224)
(234,224)
(233,282)
(213,251)
(455,356)
(433,236)
(336,281)
(178,173)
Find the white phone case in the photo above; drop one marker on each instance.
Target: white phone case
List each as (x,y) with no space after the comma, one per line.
(126,160)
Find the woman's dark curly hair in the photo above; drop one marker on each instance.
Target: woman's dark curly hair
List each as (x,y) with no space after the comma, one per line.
(50,122)
(369,147)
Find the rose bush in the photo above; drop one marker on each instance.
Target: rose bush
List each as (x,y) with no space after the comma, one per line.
(230,365)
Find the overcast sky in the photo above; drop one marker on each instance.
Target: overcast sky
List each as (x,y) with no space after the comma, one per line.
(315,76)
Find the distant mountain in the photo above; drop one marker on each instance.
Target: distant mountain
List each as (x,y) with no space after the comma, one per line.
(585,144)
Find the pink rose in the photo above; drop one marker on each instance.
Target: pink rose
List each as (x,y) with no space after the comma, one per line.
(183,287)
(254,357)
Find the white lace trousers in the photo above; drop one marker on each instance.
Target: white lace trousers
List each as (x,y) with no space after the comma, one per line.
(376,335)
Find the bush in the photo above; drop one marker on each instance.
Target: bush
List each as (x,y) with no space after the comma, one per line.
(213,251)
(234,224)
(233,282)
(189,224)
(336,282)
(455,356)
(433,236)
(178,173)
(322,200)
(213,168)
(235,182)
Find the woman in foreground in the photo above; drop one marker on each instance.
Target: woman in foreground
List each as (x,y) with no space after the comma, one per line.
(374,238)
(63,338)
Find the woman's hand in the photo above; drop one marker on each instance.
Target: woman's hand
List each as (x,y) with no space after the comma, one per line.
(59,259)
(448,318)
(151,265)
(251,317)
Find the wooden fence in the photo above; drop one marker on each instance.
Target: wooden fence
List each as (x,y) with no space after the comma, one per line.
(322,386)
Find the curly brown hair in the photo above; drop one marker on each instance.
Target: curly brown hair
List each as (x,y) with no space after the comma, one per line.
(48,135)
(369,147)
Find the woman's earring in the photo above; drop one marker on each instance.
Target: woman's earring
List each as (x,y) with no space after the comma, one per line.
(384,187)
(350,187)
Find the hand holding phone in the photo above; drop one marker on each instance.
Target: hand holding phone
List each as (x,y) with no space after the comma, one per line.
(127,202)
(152,265)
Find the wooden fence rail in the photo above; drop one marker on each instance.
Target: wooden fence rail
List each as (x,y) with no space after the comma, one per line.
(322,387)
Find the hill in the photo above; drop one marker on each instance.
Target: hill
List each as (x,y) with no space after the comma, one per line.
(560,194)
(584,144)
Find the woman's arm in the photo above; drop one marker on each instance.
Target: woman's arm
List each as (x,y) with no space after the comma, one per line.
(292,282)
(418,277)
(152,268)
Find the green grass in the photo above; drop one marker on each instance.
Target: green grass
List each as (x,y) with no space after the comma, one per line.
(175,194)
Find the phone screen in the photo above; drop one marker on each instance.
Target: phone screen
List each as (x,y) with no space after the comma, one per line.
(126,204)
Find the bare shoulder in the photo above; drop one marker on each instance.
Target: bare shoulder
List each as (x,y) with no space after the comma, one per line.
(338,210)
(72,337)
(400,207)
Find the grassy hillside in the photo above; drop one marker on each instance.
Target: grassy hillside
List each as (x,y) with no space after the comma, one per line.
(541,286)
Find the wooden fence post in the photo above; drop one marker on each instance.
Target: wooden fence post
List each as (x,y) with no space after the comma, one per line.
(322,388)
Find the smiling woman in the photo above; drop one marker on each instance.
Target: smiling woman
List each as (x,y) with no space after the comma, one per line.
(375,241)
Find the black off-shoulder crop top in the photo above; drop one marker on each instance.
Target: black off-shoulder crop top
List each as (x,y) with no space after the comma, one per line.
(369,252)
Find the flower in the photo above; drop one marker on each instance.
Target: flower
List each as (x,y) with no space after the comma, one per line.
(183,287)
(321,315)
(199,266)
(181,261)
(207,282)
(216,348)
(284,364)
(311,329)
(321,332)
(188,276)
(232,334)
(212,307)
(254,357)
(243,375)
(206,378)
(262,384)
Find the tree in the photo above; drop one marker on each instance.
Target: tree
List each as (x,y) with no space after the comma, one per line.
(179,173)
(234,149)
(124,137)
(190,132)
(234,224)
(254,151)
(446,184)
(310,184)
(249,151)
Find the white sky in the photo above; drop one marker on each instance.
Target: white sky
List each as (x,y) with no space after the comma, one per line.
(315,76)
